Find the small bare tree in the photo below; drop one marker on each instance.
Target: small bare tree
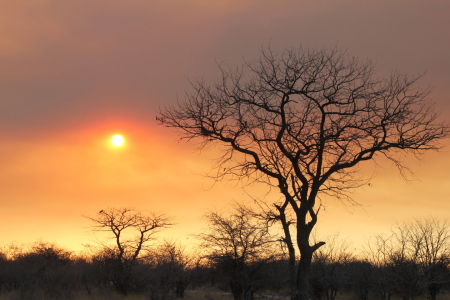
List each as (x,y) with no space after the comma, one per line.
(131,231)
(238,244)
(427,240)
(413,259)
(301,122)
(172,269)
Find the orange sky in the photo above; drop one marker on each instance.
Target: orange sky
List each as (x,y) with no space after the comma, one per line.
(73,73)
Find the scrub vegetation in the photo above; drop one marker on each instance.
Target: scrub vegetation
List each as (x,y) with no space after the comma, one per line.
(237,257)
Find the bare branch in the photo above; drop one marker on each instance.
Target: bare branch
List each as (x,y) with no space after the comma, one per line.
(303,121)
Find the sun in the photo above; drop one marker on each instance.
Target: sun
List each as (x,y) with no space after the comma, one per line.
(117,140)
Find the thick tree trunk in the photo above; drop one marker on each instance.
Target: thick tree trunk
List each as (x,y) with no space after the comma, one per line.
(306,253)
(303,274)
(299,274)
(180,288)
(432,291)
(236,290)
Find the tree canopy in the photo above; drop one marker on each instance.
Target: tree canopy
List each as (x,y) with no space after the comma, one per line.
(301,121)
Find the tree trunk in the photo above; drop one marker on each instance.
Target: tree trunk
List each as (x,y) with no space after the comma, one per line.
(306,251)
(236,290)
(303,274)
(306,254)
(432,291)
(291,249)
(293,277)
(180,288)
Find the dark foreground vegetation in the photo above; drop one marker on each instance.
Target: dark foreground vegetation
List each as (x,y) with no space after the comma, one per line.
(239,257)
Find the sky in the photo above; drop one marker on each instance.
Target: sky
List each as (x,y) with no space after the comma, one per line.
(73,73)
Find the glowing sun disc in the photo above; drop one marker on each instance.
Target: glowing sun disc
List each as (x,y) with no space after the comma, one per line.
(117,140)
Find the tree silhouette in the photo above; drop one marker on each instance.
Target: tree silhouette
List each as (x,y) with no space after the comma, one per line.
(131,231)
(302,121)
(238,244)
(416,256)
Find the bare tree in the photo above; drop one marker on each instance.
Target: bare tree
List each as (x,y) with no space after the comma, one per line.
(413,259)
(302,121)
(238,244)
(378,252)
(172,268)
(131,231)
(427,241)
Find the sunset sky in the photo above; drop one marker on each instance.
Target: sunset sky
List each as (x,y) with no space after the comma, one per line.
(74,73)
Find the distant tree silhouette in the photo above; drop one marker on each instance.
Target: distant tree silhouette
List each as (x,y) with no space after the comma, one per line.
(45,269)
(301,122)
(172,270)
(431,239)
(130,231)
(238,245)
(420,257)
(412,260)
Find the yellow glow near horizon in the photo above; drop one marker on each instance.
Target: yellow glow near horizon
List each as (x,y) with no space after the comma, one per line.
(117,140)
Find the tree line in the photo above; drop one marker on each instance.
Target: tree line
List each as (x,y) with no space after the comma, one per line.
(238,253)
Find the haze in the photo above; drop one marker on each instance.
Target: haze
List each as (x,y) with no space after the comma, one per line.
(74,73)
